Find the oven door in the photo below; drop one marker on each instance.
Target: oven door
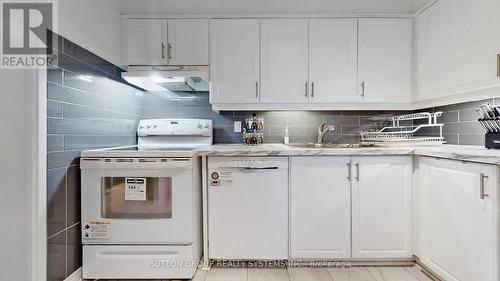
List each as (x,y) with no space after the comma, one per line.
(137,201)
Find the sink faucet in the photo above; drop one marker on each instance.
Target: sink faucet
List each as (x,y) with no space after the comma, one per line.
(324,129)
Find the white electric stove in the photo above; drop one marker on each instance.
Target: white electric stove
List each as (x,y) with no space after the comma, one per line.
(141,205)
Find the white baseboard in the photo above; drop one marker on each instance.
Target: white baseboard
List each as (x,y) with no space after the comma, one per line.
(75,276)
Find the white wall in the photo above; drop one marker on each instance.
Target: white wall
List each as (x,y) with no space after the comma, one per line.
(93,24)
(18,161)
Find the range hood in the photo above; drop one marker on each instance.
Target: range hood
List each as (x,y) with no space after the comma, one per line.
(171,78)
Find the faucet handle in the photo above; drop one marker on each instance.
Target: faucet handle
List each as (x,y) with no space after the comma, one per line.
(322,126)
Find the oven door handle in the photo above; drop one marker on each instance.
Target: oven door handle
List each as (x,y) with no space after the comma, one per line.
(136,254)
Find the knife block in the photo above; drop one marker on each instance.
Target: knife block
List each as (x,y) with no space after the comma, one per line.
(492,140)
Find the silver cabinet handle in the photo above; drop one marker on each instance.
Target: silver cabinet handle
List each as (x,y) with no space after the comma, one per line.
(357,171)
(162,51)
(482,195)
(312,89)
(169,51)
(307,89)
(349,172)
(363,89)
(498,64)
(256,89)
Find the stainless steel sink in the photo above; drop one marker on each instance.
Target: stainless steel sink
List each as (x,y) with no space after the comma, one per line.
(325,145)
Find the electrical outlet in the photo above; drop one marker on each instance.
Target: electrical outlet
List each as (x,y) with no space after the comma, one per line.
(237,126)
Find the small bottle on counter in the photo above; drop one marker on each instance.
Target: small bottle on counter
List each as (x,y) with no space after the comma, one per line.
(286,139)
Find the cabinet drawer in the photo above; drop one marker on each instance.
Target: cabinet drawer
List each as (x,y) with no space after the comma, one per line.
(154,262)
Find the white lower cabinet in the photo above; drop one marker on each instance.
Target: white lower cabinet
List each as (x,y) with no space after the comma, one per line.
(320,207)
(458,219)
(336,202)
(382,207)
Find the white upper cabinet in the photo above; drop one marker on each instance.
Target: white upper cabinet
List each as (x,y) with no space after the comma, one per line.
(162,42)
(285,64)
(320,215)
(315,64)
(457,46)
(234,56)
(146,41)
(284,61)
(382,207)
(458,215)
(384,60)
(188,42)
(333,60)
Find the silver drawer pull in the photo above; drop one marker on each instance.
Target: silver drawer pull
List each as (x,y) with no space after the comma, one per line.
(169,51)
(357,171)
(162,51)
(349,172)
(498,64)
(482,195)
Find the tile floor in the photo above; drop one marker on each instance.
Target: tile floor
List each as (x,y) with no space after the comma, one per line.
(314,274)
(378,273)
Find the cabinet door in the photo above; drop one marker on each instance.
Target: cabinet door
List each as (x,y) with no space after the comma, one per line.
(333,60)
(384,62)
(382,207)
(449,64)
(188,42)
(284,61)
(146,41)
(320,207)
(234,56)
(459,228)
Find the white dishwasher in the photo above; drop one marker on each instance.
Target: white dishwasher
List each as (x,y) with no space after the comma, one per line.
(248,208)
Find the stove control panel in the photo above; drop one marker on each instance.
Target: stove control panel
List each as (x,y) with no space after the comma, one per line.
(179,127)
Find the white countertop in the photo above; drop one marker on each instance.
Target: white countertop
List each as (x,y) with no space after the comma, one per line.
(464,153)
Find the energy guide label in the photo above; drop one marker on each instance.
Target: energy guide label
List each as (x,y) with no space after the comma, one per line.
(97,230)
(135,189)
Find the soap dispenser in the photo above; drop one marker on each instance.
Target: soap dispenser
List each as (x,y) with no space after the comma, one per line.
(286,139)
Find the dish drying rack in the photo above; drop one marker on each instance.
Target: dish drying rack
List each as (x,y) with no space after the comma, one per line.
(400,135)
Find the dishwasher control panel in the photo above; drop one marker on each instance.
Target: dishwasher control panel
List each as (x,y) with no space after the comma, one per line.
(214,178)
(248,162)
(222,171)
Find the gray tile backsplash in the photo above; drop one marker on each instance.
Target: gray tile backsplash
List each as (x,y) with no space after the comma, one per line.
(88,106)
(460,122)
(302,125)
